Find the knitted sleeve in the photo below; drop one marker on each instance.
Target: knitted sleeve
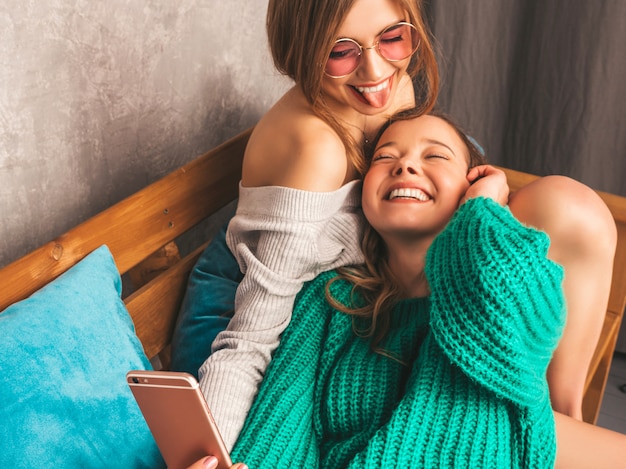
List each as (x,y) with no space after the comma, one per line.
(497,304)
(281,238)
(279,430)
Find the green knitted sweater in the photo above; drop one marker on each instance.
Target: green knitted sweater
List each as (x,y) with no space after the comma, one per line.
(472,392)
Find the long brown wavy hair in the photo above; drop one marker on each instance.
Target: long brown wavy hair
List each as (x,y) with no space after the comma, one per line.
(373,281)
(301,34)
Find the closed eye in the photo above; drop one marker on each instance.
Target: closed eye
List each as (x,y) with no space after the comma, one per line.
(391,39)
(381,156)
(395,33)
(437,155)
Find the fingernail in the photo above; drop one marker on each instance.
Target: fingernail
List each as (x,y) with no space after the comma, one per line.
(210,462)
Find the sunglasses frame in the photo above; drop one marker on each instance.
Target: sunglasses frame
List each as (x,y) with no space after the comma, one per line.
(376,46)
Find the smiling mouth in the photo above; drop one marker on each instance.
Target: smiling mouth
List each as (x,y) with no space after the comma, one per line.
(372,89)
(408,193)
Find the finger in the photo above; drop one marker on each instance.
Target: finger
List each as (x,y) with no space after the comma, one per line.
(209,462)
(475,173)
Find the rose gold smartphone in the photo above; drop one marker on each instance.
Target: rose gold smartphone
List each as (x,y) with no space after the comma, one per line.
(178,417)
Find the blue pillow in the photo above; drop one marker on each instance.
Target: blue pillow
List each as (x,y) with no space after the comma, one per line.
(64,354)
(207,306)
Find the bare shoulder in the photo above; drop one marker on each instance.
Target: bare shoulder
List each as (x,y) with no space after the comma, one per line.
(292,147)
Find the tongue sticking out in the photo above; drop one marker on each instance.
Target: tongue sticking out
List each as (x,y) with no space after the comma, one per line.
(375,96)
(377,99)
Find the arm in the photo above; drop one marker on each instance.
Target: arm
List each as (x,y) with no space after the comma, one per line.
(281,238)
(279,430)
(498,309)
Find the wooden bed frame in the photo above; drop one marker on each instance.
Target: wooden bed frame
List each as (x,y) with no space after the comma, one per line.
(141,232)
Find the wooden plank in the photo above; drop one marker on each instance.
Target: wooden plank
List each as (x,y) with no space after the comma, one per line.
(599,372)
(617,298)
(153,265)
(609,332)
(154,307)
(137,226)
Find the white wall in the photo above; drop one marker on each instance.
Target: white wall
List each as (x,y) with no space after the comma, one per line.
(100,98)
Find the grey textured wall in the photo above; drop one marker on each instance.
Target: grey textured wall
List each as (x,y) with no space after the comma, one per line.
(100,98)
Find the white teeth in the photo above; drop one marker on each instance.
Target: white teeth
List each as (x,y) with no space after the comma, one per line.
(373,89)
(408,193)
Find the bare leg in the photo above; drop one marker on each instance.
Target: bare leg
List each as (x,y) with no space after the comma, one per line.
(583,238)
(580,444)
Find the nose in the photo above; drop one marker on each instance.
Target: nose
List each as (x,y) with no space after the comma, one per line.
(405,165)
(372,63)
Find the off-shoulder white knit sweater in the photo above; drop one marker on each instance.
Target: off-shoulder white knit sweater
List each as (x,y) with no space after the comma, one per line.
(281,237)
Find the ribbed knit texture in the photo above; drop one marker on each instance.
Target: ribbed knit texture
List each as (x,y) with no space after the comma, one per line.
(281,237)
(474,393)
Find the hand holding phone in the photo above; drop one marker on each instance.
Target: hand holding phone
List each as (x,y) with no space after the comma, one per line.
(178,417)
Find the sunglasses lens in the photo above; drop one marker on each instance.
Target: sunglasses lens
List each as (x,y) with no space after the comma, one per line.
(343,58)
(398,42)
(395,43)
